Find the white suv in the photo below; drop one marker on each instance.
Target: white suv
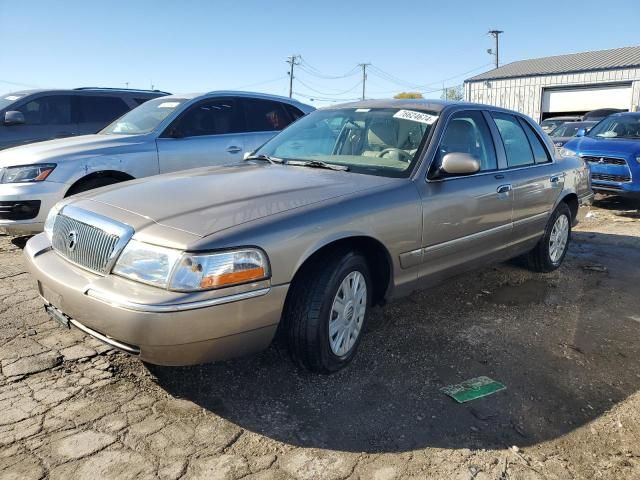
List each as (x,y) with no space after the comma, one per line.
(166,134)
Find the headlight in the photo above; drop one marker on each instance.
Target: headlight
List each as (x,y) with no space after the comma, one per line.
(147,263)
(51,219)
(222,269)
(565,152)
(27,173)
(638,158)
(168,268)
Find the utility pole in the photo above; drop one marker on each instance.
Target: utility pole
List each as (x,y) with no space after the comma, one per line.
(495,34)
(364,76)
(126,84)
(293,60)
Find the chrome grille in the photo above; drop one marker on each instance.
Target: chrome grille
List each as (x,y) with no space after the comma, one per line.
(610,178)
(88,240)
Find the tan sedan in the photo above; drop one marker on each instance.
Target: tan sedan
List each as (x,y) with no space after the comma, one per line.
(349,207)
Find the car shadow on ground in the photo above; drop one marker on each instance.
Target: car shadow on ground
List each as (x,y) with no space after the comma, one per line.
(624,206)
(566,345)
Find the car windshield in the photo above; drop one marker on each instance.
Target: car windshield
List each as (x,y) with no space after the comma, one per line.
(618,126)
(377,141)
(9,98)
(144,118)
(570,129)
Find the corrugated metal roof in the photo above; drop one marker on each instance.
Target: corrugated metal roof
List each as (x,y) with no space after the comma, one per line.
(627,57)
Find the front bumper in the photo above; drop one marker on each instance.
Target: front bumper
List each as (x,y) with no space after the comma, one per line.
(47,193)
(161,327)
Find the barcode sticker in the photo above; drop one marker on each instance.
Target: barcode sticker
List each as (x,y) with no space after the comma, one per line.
(416,116)
(168,104)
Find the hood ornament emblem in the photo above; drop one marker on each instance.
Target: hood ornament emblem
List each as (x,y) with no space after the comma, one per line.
(72,240)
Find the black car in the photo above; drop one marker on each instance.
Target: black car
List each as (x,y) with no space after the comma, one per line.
(34,115)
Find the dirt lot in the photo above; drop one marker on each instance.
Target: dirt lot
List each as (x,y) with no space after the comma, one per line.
(567,345)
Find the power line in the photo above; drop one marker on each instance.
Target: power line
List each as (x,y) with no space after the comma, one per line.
(311,70)
(273,80)
(328,93)
(18,84)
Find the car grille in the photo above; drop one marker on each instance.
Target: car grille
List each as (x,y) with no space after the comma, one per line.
(88,243)
(605,160)
(610,178)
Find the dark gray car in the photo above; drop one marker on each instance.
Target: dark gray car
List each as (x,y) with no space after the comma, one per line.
(348,207)
(34,115)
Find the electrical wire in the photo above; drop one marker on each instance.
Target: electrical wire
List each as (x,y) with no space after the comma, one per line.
(327,93)
(311,70)
(282,77)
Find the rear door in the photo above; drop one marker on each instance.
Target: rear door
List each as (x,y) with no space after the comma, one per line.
(98,111)
(210,132)
(264,119)
(46,117)
(466,219)
(533,177)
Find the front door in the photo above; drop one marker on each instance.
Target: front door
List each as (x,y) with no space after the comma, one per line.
(208,133)
(467,220)
(45,118)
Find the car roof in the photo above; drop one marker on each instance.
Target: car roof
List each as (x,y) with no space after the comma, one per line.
(130,91)
(566,117)
(620,114)
(244,94)
(417,104)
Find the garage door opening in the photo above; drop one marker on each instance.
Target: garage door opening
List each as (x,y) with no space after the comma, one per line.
(580,100)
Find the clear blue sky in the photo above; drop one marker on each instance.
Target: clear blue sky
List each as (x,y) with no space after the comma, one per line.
(188,45)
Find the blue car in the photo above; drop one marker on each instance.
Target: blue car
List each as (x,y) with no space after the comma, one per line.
(612,150)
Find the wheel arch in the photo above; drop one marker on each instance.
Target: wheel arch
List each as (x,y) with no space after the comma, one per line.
(376,254)
(115,174)
(571,199)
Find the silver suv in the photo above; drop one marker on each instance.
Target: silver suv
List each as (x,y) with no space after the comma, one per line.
(166,134)
(36,115)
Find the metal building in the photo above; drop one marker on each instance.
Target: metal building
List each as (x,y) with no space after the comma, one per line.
(562,85)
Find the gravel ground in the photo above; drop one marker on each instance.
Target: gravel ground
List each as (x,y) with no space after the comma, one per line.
(566,345)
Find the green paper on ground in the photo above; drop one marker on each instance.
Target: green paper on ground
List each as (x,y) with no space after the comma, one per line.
(473,388)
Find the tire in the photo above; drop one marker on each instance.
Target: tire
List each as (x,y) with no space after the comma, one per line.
(544,258)
(309,311)
(90,184)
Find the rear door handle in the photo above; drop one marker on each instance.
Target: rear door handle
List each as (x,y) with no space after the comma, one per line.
(504,189)
(555,179)
(234,149)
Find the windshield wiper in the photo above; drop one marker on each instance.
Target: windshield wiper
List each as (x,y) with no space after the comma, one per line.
(266,158)
(317,164)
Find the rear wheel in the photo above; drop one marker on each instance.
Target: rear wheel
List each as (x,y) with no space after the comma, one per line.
(327,311)
(550,251)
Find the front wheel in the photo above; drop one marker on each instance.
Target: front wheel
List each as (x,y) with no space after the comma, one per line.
(550,251)
(327,310)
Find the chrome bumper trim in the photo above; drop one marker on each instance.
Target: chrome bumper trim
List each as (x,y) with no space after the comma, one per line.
(103,338)
(175,307)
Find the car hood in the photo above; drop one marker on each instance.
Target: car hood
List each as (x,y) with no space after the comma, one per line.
(204,201)
(604,146)
(71,147)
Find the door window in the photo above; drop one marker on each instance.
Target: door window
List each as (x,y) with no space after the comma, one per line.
(516,143)
(265,115)
(208,118)
(468,132)
(101,109)
(539,152)
(49,110)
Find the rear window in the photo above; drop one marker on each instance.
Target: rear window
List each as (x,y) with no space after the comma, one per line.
(516,143)
(265,115)
(102,109)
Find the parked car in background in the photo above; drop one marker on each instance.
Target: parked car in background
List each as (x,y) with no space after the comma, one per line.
(166,134)
(36,115)
(597,115)
(552,123)
(348,207)
(612,149)
(565,132)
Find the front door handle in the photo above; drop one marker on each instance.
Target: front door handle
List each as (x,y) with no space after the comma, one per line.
(234,149)
(504,189)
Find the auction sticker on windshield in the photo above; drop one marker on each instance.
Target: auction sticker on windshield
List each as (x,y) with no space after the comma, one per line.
(168,104)
(416,116)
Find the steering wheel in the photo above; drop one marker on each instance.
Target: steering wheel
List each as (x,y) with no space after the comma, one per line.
(407,156)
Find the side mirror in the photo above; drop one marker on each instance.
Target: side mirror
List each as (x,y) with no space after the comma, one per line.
(581,132)
(457,163)
(13,117)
